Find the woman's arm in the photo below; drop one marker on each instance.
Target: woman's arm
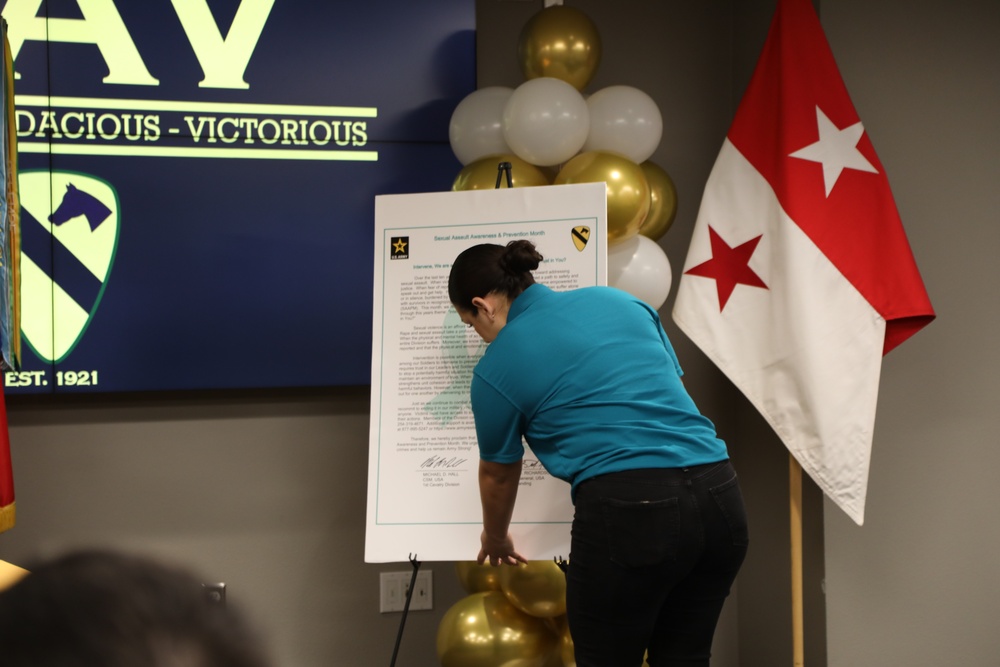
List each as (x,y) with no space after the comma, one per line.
(498,490)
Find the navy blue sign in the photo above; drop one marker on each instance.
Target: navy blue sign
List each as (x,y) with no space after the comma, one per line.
(198,177)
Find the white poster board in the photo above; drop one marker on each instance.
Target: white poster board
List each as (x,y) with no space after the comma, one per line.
(423,489)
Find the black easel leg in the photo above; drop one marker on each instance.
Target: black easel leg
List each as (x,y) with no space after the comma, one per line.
(406,607)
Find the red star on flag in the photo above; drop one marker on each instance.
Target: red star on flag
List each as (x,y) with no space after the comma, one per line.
(729,266)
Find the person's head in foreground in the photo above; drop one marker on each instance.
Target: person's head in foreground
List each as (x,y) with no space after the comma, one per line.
(102,609)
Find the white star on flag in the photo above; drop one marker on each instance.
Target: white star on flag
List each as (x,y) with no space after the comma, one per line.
(836,150)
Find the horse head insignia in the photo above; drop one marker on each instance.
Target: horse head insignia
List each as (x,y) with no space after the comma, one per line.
(76,202)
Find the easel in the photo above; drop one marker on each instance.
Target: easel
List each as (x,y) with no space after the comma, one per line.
(406,607)
(504,168)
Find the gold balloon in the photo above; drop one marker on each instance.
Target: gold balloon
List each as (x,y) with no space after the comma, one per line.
(562,43)
(566,653)
(486,630)
(537,588)
(662,201)
(628,190)
(476,578)
(482,174)
(555,659)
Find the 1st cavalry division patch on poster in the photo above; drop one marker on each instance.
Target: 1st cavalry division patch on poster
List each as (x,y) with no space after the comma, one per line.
(581,235)
(69,236)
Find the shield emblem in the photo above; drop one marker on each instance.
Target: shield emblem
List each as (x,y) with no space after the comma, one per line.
(69,236)
(581,235)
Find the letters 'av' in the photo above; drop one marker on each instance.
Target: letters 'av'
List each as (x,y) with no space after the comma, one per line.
(223,60)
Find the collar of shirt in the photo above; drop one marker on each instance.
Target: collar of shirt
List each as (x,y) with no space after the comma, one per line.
(526,299)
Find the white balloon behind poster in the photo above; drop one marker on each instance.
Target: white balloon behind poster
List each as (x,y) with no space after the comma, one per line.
(476,129)
(552,131)
(640,267)
(545,121)
(625,120)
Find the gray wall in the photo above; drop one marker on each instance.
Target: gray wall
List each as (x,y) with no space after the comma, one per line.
(266,491)
(918,583)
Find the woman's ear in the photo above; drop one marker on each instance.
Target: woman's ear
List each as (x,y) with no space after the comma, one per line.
(482,304)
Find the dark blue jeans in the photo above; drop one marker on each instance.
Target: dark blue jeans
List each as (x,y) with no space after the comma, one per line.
(654,553)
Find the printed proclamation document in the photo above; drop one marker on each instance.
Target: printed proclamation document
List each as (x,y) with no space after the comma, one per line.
(423,490)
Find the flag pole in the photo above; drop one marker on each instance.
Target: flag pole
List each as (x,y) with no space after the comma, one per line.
(795,515)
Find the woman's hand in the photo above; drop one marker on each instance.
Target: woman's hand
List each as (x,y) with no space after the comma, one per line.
(499,552)
(498,491)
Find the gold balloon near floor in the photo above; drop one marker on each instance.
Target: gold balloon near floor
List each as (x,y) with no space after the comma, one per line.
(486,630)
(476,578)
(537,588)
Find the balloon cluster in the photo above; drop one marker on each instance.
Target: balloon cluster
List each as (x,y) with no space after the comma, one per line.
(552,134)
(513,615)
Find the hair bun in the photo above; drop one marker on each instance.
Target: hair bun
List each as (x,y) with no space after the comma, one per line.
(520,257)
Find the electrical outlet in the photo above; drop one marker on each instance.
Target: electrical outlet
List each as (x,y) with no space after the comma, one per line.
(423,590)
(393,587)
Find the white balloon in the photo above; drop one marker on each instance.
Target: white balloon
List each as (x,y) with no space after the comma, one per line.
(639,266)
(476,128)
(625,120)
(545,121)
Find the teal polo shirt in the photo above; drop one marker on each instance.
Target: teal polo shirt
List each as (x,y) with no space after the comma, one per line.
(590,380)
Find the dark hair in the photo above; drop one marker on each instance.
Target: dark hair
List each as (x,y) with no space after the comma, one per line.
(101,609)
(487,268)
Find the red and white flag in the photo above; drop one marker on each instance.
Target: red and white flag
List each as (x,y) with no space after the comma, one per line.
(799,276)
